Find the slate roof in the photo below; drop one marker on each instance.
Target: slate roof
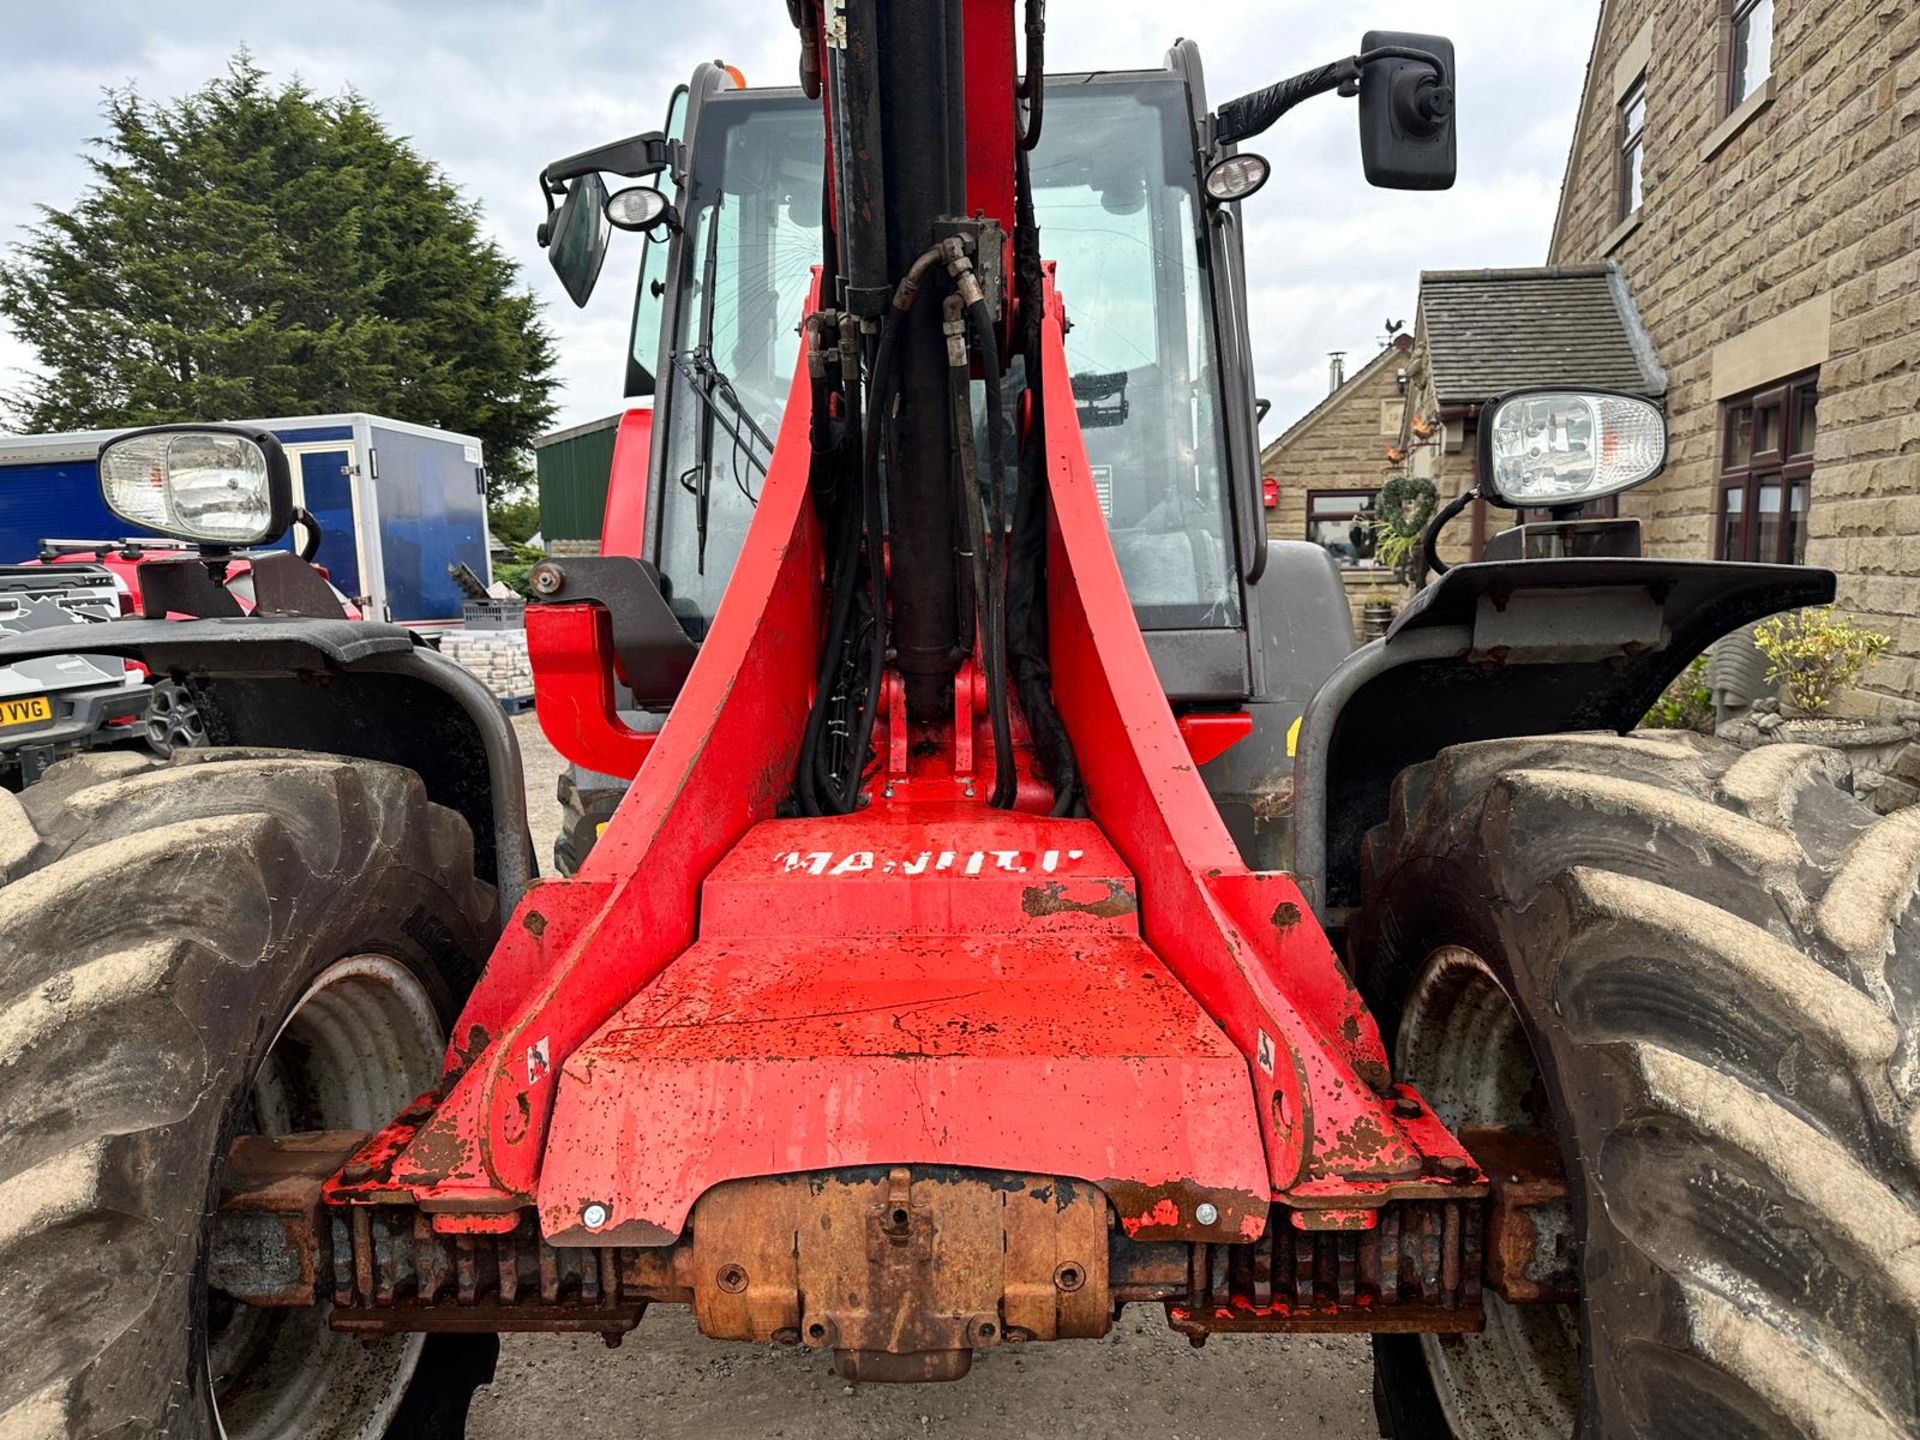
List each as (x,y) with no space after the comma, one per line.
(1491,331)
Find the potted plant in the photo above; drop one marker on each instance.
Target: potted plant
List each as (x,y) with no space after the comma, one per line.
(1815,656)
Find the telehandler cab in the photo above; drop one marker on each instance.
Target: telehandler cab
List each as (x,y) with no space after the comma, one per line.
(917,1000)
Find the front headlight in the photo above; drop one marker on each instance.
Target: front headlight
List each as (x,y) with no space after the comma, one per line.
(1566,447)
(218,484)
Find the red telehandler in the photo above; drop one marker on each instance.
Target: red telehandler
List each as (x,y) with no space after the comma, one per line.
(931,990)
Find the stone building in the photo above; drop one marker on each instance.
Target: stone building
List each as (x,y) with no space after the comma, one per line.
(1414,408)
(1753,168)
(1329,464)
(1480,334)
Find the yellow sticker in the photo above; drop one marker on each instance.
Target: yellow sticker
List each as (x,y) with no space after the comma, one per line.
(1293,736)
(601,828)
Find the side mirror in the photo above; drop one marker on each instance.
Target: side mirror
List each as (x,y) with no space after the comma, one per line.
(1406,111)
(576,237)
(217,485)
(1556,448)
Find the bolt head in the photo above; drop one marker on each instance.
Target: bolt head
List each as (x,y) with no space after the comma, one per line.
(595,1215)
(1206,1213)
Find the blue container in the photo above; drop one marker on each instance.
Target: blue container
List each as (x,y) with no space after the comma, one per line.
(397,504)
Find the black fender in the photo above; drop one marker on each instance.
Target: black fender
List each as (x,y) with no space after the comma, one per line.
(346,687)
(1520,647)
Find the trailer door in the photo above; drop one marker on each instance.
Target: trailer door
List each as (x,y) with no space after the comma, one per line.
(323,486)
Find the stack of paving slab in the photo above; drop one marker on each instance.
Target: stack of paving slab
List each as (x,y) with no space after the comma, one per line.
(498,657)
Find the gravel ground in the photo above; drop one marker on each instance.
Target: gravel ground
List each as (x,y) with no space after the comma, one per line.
(668,1383)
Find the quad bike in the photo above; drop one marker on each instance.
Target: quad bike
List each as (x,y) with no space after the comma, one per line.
(53,707)
(931,989)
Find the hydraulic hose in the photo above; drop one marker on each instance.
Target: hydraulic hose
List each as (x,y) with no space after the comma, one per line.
(967,482)
(1006,783)
(1032,86)
(880,391)
(812,771)
(1027,545)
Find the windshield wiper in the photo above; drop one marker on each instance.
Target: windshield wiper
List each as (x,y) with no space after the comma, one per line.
(711,384)
(713,387)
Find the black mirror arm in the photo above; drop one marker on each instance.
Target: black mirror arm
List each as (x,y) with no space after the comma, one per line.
(1250,114)
(635,157)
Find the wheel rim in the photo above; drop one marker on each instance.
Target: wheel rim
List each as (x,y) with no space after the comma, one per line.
(1461,1043)
(174,721)
(361,1044)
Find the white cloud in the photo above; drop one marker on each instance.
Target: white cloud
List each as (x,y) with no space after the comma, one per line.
(493,89)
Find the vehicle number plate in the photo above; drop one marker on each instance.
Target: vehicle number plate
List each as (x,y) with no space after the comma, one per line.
(31,710)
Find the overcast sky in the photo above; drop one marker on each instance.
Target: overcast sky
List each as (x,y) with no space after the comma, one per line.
(493,89)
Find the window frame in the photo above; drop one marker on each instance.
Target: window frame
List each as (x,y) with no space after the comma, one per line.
(1788,464)
(1629,145)
(1342,492)
(1739,12)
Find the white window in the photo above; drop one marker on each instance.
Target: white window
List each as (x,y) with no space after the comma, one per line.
(1752,48)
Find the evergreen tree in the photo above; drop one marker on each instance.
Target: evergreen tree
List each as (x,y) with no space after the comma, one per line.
(253,250)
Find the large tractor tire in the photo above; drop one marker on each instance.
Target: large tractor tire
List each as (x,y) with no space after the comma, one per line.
(585,809)
(1699,970)
(239,941)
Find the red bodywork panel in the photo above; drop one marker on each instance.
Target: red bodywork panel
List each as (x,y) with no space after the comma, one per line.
(574,676)
(623,523)
(921,998)
(720,994)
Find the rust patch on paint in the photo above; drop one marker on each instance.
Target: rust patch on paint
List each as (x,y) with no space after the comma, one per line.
(1051,899)
(1286,915)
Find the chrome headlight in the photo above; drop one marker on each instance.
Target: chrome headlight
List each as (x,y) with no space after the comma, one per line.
(223,485)
(1566,447)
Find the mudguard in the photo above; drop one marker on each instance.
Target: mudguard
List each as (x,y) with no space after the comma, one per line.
(346,687)
(1523,647)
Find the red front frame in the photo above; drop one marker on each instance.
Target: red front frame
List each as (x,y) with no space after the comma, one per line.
(1247,1071)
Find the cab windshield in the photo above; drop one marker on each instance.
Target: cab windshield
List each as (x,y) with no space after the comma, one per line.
(1115,194)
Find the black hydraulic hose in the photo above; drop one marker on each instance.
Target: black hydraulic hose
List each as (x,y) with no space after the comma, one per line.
(881,394)
(967,479)
(1027,546)
(1032,86)
(1430,541)
(841,531)
(823,786)
(880,391)
(847,785)
(1006,782)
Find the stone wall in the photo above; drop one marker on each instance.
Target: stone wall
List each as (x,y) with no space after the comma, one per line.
(1342,445)
(1781,238)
